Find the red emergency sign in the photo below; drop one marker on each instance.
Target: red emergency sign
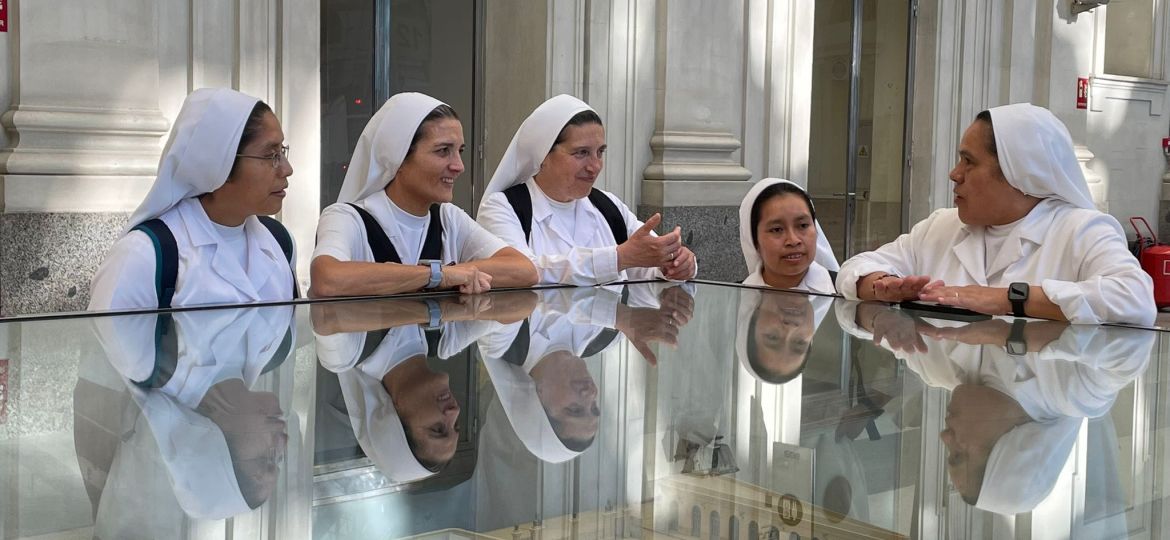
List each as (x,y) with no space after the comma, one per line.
(1082,93)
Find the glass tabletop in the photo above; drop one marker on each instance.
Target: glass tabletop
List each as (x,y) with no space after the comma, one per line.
(694,410)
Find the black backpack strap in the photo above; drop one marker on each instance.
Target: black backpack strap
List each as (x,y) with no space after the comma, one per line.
(280,234)
(606,336)
(518,350)
(610,212)
(433,244)
(166,256)
(373,339)
(379,243)
(433,336)
(286,245)
(521,202)
(166,353)
(281,352)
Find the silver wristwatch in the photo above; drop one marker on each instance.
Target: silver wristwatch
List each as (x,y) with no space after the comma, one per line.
(436,272)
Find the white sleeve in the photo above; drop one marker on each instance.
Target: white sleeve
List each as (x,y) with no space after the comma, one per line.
(897,257)
(1113,288)
(340,234)
(580,266)
(499,340)
(126,278)
(459,335)
(473,241)
(341,351)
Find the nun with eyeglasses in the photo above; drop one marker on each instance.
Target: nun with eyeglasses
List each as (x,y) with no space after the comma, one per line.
(202,235)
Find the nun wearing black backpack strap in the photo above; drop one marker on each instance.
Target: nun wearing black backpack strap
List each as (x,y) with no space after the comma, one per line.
(393,228)
(542,201)
(202,235)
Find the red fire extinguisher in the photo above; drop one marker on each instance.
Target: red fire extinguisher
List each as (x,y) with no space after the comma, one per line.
(1155,260)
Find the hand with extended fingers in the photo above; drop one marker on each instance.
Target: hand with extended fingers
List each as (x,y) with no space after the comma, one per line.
(891,288)
(644,250)
(643,326)
(989,300)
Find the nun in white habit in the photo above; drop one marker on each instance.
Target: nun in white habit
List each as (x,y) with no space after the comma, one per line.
(782,241)
(775,332)
(1024,238)
(1013,419)
(225,163)
(543,373)
(557,154)
(198,421)
(402,412)
(399,186)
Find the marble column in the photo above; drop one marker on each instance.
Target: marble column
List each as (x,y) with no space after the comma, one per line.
(84,138)
(696,176)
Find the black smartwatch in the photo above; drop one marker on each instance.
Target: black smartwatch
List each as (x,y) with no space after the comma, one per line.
(1018,295)
(1016,345)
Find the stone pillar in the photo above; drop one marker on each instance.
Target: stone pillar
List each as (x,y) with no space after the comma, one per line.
(84,131)
(1070,54)
(695,177)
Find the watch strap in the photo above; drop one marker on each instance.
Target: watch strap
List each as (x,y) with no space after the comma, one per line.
(436,272)
(1018,300)
(1016,345)
(434,314)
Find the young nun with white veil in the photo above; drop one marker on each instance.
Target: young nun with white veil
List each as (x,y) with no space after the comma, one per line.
(393,228)
(541,201)
(1024,237)
(782,241)
(224,169)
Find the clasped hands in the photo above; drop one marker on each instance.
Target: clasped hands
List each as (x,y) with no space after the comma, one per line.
(666,252)
(643,326)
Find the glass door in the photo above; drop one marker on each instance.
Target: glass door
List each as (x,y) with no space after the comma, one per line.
(858,150)
(373,49)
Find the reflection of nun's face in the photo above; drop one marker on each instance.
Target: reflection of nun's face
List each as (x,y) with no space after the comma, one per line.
(568,394)
(787,237)
(784,329)
(254,431)
(977,417)
(427,408)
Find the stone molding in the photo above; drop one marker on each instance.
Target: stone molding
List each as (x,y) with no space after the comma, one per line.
(694,156)
(62,140)
(1107,87)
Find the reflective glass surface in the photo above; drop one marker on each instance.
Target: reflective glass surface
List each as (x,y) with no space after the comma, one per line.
(645,410)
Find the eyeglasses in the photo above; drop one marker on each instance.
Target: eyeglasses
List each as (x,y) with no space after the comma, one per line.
(274,157)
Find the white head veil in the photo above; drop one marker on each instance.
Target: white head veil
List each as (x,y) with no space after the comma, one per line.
(1036,154)
(749,302)
(200,150)
(751,255)
(516,388)
(383,144)
(533,140)
(375,421)
(192,447)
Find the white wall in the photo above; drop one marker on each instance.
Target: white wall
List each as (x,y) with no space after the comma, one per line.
(975,55)
(92,86)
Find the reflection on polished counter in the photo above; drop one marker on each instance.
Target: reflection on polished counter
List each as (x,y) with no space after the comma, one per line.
(631,410)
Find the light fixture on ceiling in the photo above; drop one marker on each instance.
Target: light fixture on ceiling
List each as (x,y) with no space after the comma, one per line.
(1081,6)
